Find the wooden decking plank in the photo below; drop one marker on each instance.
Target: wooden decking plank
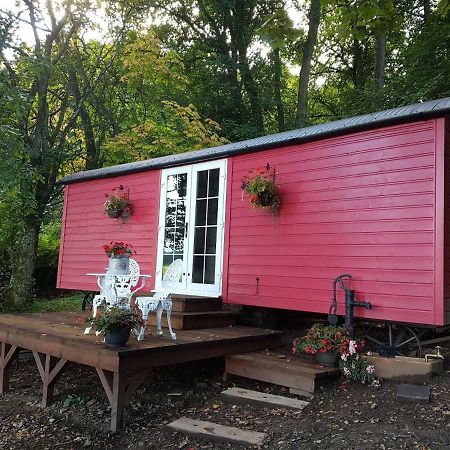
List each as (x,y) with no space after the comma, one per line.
(300,375)
(301,365)
(57,337)
(58,334)
(246,396)
(196,351)
(214,431)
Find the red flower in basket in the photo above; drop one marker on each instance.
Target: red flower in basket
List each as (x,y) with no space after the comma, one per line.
(117,248)
(261,188)
(118,203)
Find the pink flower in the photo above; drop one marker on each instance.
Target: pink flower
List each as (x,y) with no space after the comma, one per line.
(352,347)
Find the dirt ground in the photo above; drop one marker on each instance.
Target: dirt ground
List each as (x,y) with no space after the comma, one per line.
(339,417)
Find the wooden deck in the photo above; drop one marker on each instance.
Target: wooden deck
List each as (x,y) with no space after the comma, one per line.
(57,339)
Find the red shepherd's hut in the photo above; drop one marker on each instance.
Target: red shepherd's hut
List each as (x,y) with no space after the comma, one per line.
(365,195)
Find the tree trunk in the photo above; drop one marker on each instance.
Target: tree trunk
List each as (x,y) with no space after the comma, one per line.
(277,72)
(357,72)
(92,150)
(23,264)
(252,91)
(426,11)
(380,60)
(305,70)
(239,33)
(229,52)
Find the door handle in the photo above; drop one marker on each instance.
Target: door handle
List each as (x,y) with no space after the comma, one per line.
(186,230)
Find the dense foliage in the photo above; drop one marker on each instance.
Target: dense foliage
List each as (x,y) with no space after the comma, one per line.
(89,84)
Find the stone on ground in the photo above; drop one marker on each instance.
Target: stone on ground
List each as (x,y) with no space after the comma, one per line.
(414,393)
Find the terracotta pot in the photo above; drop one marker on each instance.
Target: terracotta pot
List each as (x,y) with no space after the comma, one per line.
(117,337)
(327,359)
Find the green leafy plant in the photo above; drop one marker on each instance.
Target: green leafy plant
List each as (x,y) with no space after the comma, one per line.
(116,319)
(351,363)
(329,338)
(74,400)
(321,338)
(261,188)
(118,203)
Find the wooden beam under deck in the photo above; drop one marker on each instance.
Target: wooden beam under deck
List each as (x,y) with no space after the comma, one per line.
(57,338)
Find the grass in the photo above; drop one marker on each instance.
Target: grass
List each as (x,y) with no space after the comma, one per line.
(70,303)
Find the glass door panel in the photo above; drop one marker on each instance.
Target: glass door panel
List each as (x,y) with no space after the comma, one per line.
(175,221)
(203,269)
(173,215)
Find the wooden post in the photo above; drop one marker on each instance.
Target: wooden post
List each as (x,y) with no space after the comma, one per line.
(8,354)
(50,369)
(119,388)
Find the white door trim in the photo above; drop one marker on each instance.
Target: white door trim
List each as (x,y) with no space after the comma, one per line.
(186,285)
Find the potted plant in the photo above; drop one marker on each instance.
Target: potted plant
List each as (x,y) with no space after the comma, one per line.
(116,324)
(352,365)
(261,188)
(118,203)
(119,257)
(323,341)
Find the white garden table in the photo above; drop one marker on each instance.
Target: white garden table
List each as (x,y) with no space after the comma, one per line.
(117,290)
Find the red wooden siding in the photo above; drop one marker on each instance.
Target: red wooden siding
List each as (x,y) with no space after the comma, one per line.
(86,228)
(363,204)
(447,221)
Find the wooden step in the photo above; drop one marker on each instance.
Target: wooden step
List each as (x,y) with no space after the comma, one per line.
(217,432)
(247,397)
(197,320)
(182,303)
(301,375)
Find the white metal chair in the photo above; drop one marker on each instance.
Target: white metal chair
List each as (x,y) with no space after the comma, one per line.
(161,300)
(116,290)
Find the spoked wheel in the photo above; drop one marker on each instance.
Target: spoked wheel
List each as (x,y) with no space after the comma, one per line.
(392,340)
(87,301)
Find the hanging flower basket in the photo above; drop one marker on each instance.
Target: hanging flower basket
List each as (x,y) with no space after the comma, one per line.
(261,188)
(117,204)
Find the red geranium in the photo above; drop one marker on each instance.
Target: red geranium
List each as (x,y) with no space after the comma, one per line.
(117,248)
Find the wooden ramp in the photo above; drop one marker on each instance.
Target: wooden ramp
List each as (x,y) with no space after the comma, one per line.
(57,339)
(300,375)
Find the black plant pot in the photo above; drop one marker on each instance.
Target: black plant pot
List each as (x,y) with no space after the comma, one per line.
(114,213)
(117,337)
(266,199)
(327,359)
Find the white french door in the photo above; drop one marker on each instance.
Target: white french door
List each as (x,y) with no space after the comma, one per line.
(191,225)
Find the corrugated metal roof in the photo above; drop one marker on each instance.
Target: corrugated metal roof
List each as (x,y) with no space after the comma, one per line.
(398,115)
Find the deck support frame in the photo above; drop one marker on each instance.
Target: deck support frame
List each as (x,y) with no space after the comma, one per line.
(57,340)
(50,370)
(119,387)
(8,354)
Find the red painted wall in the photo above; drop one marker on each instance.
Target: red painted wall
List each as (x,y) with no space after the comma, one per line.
(447,220)
(363,204)
(369,203)
(86,228)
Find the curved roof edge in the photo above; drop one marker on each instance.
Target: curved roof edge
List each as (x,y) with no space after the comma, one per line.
(391,116)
